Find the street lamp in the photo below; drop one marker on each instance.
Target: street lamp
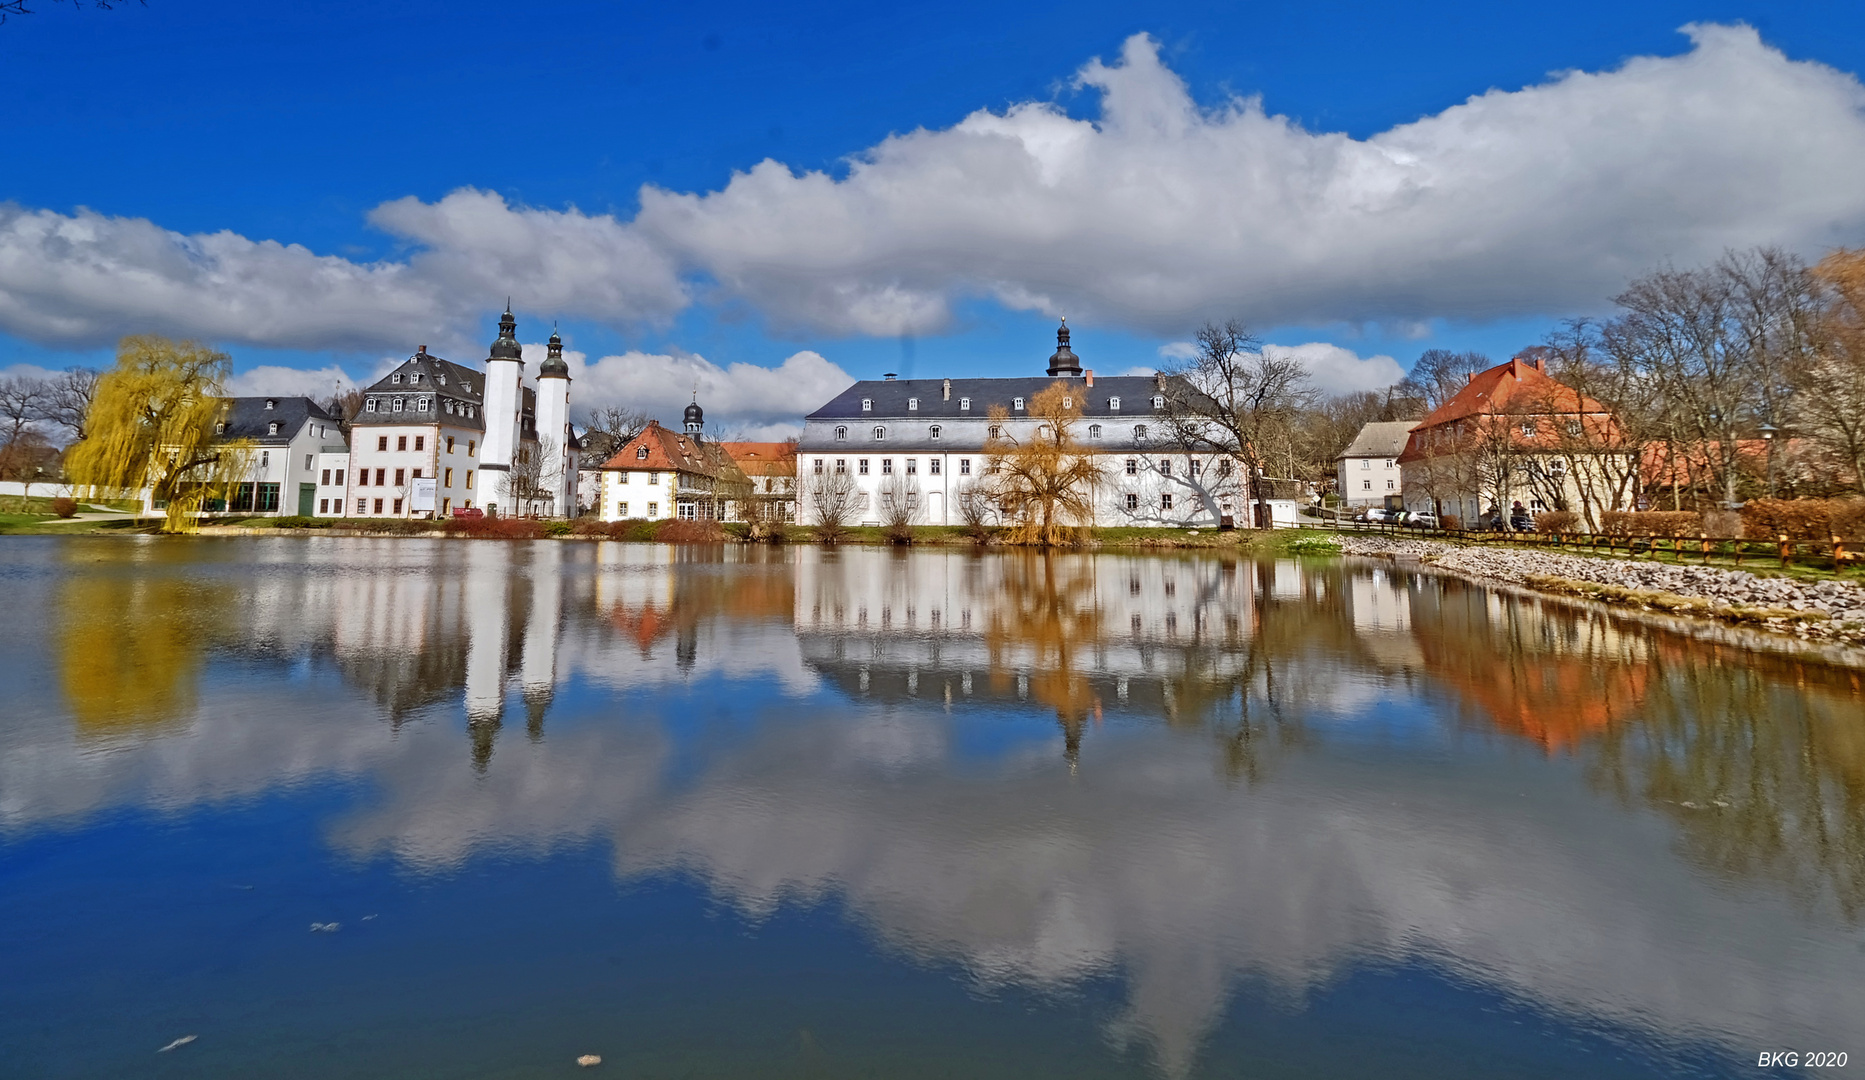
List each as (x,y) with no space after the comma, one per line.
(1768,432)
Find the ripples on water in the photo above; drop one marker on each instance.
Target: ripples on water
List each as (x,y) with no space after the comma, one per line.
(796,812)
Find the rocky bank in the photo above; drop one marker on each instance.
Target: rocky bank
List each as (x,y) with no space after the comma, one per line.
(1821,609)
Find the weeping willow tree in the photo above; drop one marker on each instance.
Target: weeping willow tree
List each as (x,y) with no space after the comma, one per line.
(1044,483)
(153,424)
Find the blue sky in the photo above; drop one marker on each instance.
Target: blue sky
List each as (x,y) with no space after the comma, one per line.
(430,158)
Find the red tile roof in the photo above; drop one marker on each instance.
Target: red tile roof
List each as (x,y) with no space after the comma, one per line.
(763,458)
(670,451)
(1519,388)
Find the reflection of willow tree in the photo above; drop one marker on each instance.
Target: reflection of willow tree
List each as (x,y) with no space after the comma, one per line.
(1760,762)
(130,650)
(1046,616)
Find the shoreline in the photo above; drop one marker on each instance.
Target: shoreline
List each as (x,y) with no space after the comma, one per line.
(1830,612)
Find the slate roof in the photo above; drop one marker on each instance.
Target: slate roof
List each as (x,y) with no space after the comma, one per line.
(440,377)
(763,458)
(890,396)
(670,451)
(248,418)
(1380,439)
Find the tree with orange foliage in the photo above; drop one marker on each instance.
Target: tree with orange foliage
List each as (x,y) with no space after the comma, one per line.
(1044,482)
(1829,399)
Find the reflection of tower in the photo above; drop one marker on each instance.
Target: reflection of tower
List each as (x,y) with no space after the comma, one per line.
(504,371)
(553,424)
(537,673)
(488,618)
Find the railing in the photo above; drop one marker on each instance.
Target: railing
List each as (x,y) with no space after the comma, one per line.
(1834,555)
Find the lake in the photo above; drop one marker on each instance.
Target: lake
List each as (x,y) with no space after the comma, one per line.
(431,808)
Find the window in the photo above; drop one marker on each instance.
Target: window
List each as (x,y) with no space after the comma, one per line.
(913,404)
(414,377)
(841,433)
(1165,466)
(654,510)
(995,432)
(469,480)
(362,506)
(420,405)
(867,404)
(398,404)
(324,478)
(382,443)
(1068,403)
(641,454)
(1389,485)
(400,477)
(323,506)
(1223,467)
(964,404)
(1113,404)
(933,431)
(880,433)
(1042,431)
(401,442)
(1159,401)
(964,466)
(447,478)
(1573,427)
(415,475)
(397,509)
(1133,503)
(1094,431)
(912,466)
(862,466)
(420,442)
(445,505)
(1017,403)
(380,473)
(1528,428)
(1195,467)
(1388,463)
(339,477)
(370,405)
(378,506)
(395,378)
(1366,485)
(272,428)
(1165,500)
(932,466)
(449,444)
(1366,463)
(1139,431)
(621,509)
(887,466)
(841,466)
(471,445)
(271,403)
(654,479)
(1133,466)
(310,461)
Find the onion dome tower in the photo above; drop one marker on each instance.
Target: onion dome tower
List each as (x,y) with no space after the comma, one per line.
(505,366)
(553,366)
(1064,361)
(695,419)
(553,427)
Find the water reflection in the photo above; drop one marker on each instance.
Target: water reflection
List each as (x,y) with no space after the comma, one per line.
(1267,774)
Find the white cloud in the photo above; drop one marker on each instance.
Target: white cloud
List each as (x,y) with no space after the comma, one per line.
(289,381)
(1331,368)
(1159,213)
(747,399)
(1151,216)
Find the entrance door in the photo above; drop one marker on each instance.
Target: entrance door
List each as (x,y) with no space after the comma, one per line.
(935,508)
(307,495)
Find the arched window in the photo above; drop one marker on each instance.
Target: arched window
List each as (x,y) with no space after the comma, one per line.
(1018,402)
(1159,401)
(879,433)
(995,432)
(1113,404)
(1139,431)
(272,428)
(867,404)
(913,404)
(841,433)
(1094,431)
(1042,431)
(641,453)
(933,431)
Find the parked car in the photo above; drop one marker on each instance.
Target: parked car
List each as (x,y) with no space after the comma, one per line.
(1377,514)
(1421,519)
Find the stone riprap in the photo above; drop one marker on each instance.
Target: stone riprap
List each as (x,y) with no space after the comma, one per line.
(1827,609)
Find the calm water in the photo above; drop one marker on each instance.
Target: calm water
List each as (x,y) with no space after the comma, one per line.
(796,813)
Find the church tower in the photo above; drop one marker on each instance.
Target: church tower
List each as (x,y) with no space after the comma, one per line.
(505,367)
(1064,361)
(553,429)
(695,419)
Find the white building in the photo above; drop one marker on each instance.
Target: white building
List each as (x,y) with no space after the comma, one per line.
(927,436)
(1368,470)
(287,434)
(663,474)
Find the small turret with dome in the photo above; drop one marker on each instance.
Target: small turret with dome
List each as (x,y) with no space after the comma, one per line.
(553,366)
(506,347)
(1064,361)
(695,418)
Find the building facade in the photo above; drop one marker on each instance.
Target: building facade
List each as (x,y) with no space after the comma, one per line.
(662,474)
(924,440)
(770,470)
(286,435)
(1367,472)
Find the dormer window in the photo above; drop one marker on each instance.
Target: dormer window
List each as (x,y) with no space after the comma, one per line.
(1139,431)
(1068,403)
(414,376)
(1113,404)
(933,431)
(395,378)
(1159,401)
(441,379)
(1017,403)
(271,403)
(913,404)
(370,405)
(272,428)
(398,404)
(466,387)
(641,453)
(841,433)
(867,404)
(880,433)
(964,404)
(1094,431)
(220,428)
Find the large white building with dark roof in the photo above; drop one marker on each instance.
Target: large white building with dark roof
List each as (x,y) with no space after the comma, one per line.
(929,435)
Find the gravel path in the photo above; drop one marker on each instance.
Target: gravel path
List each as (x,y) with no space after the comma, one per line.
(1828,609)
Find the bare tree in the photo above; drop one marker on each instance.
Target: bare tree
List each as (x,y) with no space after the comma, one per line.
(974,510)
(900,507)
(68,399)
(610,428)
(1437,376)
(833,500)
(22,403)
(344,406)
(1829,383)
(533,478)
(1235,399)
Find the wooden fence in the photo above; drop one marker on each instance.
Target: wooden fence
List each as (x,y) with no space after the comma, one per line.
(1834,555)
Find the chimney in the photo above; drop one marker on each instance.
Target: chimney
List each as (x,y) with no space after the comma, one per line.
(1541,363)
(948,390)
(1089,375)
(1159,379)
(889,376)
